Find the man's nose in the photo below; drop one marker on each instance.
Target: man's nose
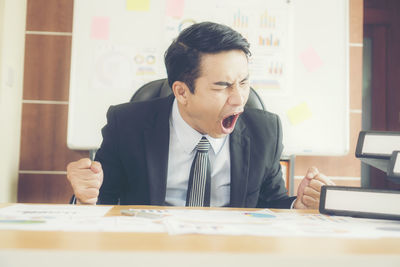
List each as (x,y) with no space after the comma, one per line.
(237,96)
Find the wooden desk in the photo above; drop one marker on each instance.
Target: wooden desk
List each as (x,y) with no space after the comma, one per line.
(20,248)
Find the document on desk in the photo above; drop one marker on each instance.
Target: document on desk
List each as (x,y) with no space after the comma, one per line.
(285,224)
(53,211)
(177,221)
(264,222)
(71,218)
(49,217)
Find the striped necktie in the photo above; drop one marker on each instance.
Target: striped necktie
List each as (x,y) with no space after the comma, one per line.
(198,194)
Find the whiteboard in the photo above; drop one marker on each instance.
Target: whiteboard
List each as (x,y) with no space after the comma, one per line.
(299,64)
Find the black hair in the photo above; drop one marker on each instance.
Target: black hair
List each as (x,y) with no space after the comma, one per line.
(182,58)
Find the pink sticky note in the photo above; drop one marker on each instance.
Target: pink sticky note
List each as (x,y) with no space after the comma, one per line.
(100,29)
(311,60)
(175,8)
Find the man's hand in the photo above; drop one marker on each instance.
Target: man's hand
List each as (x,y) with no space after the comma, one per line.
(309,190)
(86,178)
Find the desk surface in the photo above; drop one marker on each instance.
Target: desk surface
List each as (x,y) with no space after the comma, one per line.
(15,240)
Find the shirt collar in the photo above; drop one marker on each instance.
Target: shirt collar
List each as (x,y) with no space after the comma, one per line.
(189,137)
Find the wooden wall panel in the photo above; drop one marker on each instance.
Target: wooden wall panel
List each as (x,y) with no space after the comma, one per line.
(47,67)
(44,138)
(356,56)
(44,188)
(44,124)
(393,92)
(356,21)
(49,15)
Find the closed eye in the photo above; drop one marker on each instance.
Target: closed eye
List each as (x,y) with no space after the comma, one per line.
(245,81)
(229,85)
(224,84)
(218,89)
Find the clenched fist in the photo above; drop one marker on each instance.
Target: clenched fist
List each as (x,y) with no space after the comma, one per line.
(86,177)
(309,191)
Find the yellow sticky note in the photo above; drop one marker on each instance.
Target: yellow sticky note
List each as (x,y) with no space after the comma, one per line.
(138,5)
(299,113)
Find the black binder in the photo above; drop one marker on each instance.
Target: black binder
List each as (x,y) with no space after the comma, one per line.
(360,202)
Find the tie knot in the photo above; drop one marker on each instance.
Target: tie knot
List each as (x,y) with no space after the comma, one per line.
(203,145)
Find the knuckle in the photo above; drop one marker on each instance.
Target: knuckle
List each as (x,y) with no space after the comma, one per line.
(315,183)
(307,200)
(96,184)
(315,169)
(70,169)
(96,192)
(84,163)
(306,190)
(79,193)
(92,193)
(84,160)
(97,164)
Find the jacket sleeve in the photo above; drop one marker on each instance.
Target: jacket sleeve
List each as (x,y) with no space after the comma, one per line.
(108,156)
(273,193)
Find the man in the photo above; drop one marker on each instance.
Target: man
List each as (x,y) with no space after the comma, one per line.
(148,147)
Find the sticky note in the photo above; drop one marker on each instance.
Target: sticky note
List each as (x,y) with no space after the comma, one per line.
(175,8)
(138,5)
(100,28)
(299,113)
(310,59)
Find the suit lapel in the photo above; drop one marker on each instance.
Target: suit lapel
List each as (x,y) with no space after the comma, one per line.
(157,145)
(240,159)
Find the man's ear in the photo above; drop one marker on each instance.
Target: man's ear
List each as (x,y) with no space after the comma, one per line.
(181,92)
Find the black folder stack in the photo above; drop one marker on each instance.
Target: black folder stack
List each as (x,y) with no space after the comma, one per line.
(380,150)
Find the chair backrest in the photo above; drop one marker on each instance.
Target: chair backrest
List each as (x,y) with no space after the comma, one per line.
(160,88)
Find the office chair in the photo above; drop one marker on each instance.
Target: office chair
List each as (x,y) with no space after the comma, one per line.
(160,88)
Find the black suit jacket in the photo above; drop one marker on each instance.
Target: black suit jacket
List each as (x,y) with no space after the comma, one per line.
(134,156)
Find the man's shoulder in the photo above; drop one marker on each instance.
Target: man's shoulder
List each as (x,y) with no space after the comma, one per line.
(143,108)
(145,105)
(141,114)
(260,123)
(258,116)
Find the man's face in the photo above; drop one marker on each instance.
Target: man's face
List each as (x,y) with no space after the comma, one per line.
(220,94)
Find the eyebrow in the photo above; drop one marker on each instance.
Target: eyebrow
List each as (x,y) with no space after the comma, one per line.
(221,83)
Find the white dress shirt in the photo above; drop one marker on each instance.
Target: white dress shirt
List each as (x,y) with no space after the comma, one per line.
(182,150)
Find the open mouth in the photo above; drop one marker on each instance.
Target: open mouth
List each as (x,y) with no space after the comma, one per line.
(228,123)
